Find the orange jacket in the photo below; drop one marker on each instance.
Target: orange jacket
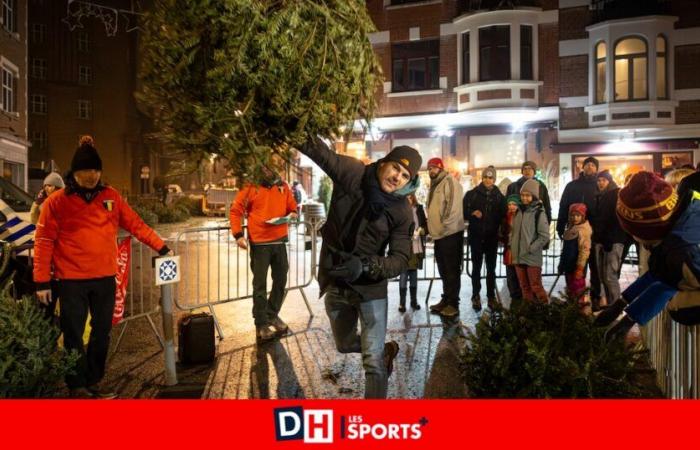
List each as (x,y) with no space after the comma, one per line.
(262,203)
(80,238)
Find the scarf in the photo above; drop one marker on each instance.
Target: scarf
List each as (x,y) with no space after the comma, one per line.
(72,187)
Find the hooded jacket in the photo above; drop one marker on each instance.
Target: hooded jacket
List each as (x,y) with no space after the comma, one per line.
(369,224)
(576,247)
(445,215)
(527,238)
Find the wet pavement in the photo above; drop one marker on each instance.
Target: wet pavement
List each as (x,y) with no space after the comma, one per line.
(305,363)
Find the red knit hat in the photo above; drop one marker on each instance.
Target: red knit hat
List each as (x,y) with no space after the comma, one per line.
(579,208)
(437,162)
(647,206)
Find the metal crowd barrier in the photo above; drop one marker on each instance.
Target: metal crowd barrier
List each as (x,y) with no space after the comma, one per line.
(673,351)
(215,271)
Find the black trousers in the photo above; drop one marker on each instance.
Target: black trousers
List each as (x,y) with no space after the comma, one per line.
(449,252)
(76,298)
(481,250)
(262,258)
(596,284)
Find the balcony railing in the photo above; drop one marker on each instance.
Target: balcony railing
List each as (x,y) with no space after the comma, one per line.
(602,10)
(467,6)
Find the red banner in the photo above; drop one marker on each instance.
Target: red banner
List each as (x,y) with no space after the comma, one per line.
(366,425)
(123,258)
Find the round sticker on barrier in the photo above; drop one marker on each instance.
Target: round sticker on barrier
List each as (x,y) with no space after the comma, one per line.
(167,270)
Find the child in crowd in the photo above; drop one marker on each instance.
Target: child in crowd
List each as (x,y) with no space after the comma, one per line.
(513,203)
(575,252)
(529,236)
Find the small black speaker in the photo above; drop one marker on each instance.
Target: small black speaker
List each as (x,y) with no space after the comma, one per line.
(196,342)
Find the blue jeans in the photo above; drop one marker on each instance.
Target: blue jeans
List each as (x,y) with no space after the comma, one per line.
(344,307)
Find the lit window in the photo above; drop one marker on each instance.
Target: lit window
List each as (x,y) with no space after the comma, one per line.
(661,89)
(601,92)
(631,70)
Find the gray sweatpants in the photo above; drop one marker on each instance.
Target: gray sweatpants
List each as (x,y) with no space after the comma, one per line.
(608,265)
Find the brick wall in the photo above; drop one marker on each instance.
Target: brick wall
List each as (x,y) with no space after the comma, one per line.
(688,111)
(574,76)
(548,61)
(687,66)
(573,22)
(572,118)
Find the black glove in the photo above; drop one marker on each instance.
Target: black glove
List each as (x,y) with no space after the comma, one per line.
(350,269)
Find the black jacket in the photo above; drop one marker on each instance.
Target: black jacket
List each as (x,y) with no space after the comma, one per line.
(581,190)
(349,229)
(606,227)
(514,188)
(492,205)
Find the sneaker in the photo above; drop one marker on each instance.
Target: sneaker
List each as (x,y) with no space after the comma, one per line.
(619,330)
(476,302)
(449,311)
(81,393)
(611,313)
(101,392)
(266,333)
(437,307)
(493,304)
(391,349)
(280,327)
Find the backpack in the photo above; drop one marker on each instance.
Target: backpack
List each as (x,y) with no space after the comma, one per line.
(538,213)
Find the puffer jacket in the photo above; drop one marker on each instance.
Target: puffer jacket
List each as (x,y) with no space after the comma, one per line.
(527,238)
(349,229)
(492,205)
(445,216)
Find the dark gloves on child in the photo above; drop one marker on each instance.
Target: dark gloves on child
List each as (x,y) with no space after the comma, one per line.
(350,269)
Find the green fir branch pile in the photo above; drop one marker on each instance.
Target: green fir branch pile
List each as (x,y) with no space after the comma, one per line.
(547,351)
(244,78)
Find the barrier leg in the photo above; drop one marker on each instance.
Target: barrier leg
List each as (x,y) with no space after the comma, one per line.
(168,334)
(216,323)
(549,294)
(306,300)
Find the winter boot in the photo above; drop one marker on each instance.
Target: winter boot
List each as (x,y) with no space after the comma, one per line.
(437,307)
(611,313)
(476,302)
(414,298)
(402,300)
(620,329)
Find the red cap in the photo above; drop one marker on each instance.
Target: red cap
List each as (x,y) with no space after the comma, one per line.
(579,208)
(437,162)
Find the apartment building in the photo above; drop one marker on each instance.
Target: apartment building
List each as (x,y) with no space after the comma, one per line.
(497,82)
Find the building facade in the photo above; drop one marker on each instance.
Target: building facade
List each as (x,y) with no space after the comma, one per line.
(82,66)
(13,103)
(496,82)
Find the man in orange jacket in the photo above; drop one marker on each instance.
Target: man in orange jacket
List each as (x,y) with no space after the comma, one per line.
(261,204)
(77,237)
